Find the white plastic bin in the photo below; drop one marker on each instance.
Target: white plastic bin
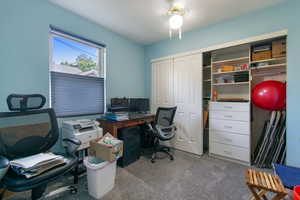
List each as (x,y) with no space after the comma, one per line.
(101,176)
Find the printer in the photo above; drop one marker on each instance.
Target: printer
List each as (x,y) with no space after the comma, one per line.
(85,130)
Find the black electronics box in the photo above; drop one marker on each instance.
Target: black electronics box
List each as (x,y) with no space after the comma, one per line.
(241,77)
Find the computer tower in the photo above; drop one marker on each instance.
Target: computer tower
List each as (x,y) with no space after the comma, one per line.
(131,137)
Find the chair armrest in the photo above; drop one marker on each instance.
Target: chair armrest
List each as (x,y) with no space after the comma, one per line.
(72,145)
(148,124)
(172,127)
(73,141)
(4,162)
(166,132)
(4,165)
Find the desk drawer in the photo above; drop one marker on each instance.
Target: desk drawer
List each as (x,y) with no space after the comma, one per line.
(230,151)
(228,106)
(230,126)
(230,115)
(230,139)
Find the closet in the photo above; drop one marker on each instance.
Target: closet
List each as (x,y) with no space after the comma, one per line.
(237,127)
(177,81)
(212,89)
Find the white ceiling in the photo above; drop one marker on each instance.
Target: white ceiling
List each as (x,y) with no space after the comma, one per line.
(145,21)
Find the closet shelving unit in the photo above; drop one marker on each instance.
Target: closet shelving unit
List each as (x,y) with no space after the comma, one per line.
(235,125)
(224,86)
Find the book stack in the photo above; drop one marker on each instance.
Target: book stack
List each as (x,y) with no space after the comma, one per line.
(261,48)
(117,116)
(35,165)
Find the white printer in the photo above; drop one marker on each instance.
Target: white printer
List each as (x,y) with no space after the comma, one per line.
(85,130)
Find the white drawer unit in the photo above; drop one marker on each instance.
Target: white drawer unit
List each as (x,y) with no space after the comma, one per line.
(229,151)
(230,134)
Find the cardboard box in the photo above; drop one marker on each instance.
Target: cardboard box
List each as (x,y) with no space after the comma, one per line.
(279,48)
(227,68)
(262,55)
(107,152)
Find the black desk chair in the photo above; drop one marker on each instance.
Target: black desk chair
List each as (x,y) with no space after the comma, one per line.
(28,131)
(163,129)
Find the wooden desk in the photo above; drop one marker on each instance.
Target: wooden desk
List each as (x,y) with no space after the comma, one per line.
(110,126)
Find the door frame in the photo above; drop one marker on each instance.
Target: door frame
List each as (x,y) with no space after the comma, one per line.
(266,36)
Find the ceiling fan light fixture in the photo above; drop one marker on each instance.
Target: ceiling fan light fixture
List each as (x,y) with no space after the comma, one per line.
(176,21)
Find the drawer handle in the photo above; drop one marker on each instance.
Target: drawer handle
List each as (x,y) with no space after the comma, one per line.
(228,140)
(228,116)
(229,107)
(229,127)
(228,152)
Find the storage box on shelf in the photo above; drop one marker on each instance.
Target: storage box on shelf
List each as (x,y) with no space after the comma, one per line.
(279,48)
(261,52)
(263,55)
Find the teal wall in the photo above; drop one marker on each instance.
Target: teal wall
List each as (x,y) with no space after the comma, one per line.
(283,16)
(24,50)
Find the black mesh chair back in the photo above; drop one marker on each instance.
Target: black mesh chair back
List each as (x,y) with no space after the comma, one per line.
(164,130)
(28,131)
(165,116)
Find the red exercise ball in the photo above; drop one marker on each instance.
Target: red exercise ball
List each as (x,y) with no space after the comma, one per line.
(270,95)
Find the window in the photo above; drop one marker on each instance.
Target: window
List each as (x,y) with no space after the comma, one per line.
(77,75)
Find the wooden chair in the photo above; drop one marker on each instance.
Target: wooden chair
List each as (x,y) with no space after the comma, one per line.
(262,183)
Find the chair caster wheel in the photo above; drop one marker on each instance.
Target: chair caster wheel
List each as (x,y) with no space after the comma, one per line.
(73,191)
(171,158)
(152,161)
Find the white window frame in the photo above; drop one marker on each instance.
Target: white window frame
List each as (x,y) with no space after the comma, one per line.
(102,56)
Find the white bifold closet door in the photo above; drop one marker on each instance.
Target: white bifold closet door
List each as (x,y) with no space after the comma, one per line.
(181,87)
(162,84)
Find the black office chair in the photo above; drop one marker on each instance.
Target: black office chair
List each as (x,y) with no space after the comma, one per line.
(28,131)
(163,129)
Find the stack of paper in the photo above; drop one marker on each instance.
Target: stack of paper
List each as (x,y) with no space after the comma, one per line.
(35,165)
(117,116)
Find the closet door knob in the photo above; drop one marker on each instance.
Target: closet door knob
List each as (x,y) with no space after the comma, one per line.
(229,127)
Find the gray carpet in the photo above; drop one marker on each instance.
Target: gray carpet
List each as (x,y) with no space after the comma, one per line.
(186,178)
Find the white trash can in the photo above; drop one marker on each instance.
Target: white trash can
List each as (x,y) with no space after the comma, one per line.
(101,176)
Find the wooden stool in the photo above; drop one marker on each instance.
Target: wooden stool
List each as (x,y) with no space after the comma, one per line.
(261,183)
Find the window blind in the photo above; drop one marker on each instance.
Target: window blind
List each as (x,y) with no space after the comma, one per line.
(74,95)
(59,31)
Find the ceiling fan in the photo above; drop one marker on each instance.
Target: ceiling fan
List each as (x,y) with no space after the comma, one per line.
(176,13)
